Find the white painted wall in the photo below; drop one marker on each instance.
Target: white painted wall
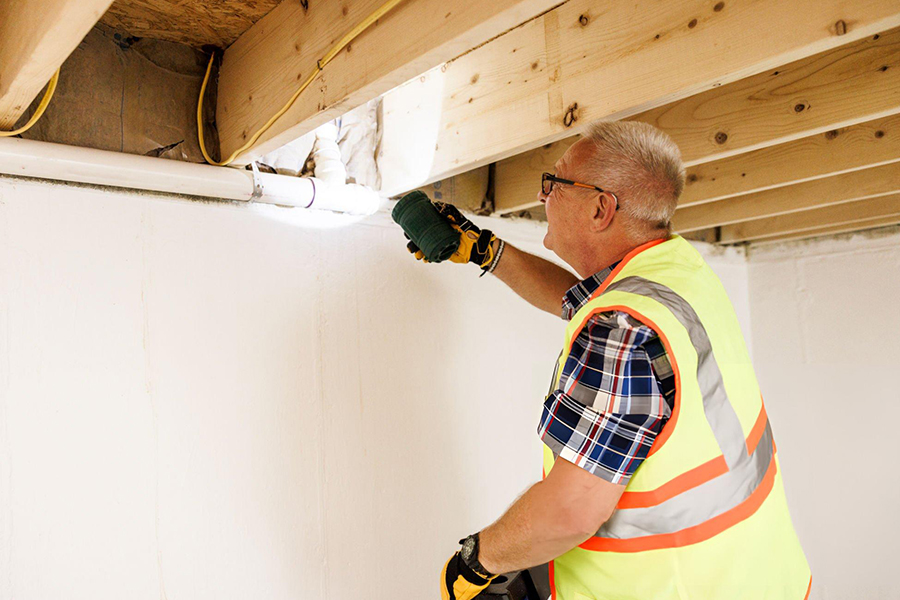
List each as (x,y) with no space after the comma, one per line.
(826,334)
(221,401)
(204,401)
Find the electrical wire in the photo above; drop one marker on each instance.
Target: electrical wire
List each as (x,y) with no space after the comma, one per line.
(320,65)
(51,87)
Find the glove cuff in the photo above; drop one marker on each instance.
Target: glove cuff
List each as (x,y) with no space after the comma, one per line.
(469,574)
(483,249)
(492,258)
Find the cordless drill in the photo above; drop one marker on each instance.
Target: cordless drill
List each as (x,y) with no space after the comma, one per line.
(513,586)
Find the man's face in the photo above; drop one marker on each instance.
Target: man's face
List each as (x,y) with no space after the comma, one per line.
(568,208)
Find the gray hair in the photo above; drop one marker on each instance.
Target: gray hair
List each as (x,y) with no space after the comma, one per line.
(642,166)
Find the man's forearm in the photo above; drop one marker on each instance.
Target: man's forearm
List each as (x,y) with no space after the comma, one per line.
(538,281)
(532,532)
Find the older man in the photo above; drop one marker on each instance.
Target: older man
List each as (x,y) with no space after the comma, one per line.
(661,479)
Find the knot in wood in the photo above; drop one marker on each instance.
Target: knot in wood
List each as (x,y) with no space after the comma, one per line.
(721,137)
(571,116)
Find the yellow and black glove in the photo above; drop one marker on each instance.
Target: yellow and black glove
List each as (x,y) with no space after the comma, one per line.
(459,581)
(476,244)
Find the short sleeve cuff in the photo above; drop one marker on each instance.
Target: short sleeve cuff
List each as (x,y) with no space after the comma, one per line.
(604,444)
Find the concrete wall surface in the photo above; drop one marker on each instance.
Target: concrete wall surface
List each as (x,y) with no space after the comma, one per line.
(826,334)
(203,400)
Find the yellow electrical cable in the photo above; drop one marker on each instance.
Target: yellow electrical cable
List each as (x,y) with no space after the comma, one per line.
(51,87)
(320,65)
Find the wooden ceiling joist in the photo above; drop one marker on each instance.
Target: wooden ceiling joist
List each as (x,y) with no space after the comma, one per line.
(36,37)
(846,214)
(265,66)
(847,85)
(582,61)
(836,151)
(847,187)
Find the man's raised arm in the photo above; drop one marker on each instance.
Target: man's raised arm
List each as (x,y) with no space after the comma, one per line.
(540,282)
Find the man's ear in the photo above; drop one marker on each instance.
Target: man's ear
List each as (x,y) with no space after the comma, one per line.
(604,210)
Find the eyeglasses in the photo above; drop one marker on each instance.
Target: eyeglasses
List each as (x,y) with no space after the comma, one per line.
(548,179)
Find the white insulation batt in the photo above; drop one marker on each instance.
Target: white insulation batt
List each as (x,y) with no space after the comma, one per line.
(358,138)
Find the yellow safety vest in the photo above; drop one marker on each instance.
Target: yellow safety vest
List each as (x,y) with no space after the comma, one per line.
(705,516)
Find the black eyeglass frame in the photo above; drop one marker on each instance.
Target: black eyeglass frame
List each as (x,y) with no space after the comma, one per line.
(550,177)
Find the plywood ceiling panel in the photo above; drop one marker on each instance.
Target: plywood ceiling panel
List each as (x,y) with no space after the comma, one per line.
(193,22)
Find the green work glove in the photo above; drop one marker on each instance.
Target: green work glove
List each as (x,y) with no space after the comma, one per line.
(476,244)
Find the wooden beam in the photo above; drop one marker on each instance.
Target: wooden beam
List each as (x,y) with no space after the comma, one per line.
(467,191)
(585,60)
(857,185)
(36,37)
(799,222)
(814,95)
(266,65)
(842,86)
(836,151)
(833,230)
(517,179)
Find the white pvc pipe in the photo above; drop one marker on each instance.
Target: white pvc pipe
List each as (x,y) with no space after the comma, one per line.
(44,160)
(327,155)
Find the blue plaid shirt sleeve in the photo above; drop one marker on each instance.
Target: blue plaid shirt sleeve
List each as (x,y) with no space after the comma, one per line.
(613,397)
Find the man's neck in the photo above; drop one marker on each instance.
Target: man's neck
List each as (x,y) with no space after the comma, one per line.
(606,256)
(603,259)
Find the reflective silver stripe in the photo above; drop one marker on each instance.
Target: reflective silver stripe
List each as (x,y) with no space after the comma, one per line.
(745,472)
(719,411)
(698,504)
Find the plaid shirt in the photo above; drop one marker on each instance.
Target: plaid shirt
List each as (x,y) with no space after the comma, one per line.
(615,392)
